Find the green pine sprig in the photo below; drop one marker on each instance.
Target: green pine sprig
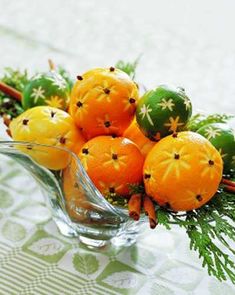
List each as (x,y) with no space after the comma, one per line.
(128,67)
(136,188)
(66,75)
(210,229)
(116,200)
(17,80)
(199,120)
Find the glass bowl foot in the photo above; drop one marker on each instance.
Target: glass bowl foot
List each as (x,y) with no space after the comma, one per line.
(65,229)
(92,243)
(117,242)
(123,241)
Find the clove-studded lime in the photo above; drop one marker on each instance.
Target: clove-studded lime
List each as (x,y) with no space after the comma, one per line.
(163,111)
(223,139)
(49,89)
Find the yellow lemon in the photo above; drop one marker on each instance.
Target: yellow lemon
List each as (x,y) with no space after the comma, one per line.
(47,126)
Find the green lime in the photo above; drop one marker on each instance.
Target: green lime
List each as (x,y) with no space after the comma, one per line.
(49,89)
(222,137)
(163,111)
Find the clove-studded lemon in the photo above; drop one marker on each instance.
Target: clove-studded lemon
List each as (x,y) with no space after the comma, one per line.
(103,102)
(47,126)
(183,171)
(49,89)
(163,111)
(223,139)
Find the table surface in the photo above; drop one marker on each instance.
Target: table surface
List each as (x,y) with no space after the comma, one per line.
(184,42)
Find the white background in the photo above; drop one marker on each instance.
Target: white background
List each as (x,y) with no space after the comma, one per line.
(184,42)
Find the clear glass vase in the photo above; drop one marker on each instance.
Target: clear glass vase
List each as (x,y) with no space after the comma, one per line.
(77,207)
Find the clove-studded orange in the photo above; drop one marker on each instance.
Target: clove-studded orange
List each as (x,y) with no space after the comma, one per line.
(183,171)
(48,126)
(103,102)
(112,163)
(134,134)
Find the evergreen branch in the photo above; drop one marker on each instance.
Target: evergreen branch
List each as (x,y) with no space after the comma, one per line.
(210,229)
(65,74)
(17,80)
(199,120)
(128,67)
(116,200)
(136,189)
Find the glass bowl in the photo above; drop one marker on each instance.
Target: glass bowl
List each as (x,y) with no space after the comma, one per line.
(77,207)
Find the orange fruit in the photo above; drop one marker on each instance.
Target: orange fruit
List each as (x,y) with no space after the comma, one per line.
(134,134)
(183,172)
(112,163)
(48,126)
(103,102)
